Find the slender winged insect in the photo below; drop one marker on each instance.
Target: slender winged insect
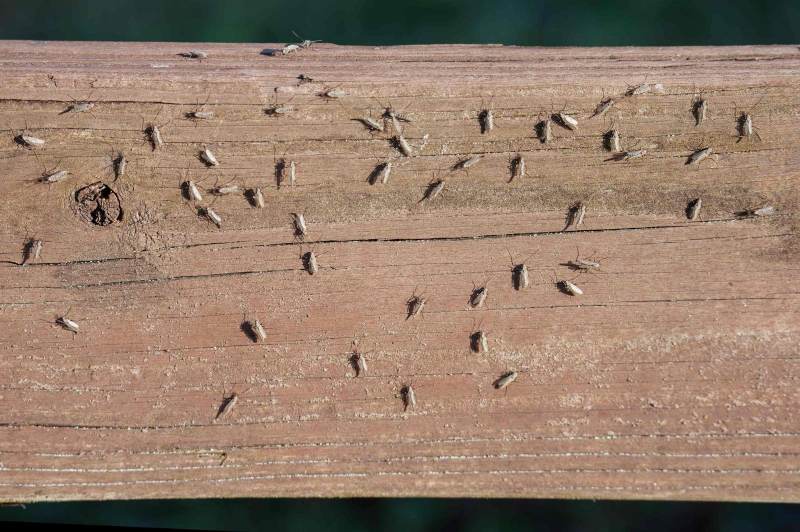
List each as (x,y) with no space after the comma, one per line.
(576,215)
(68,324)
(120,165)
(487,120)
(700,111)
(279,109)
(641,89)
(288,49)
(299,221)
(31,251)
(390,114)
(362,365)
(761,211)
(227,406)
(583,264)
(305,79)
(54,177)
(545,130)
(199,114)
(693,209)
(372,124)
(383,175)
(699,155)
(37,250)
(628,155)
(305,44)
(211,215)
(478,297)
(409,399)
(258,198)
(28,141)
(468,163)
(403,145)
(505,380)
(195,54)
(310,262)
(567,121)
(479,342)
(517,167)
(434,190)
(259,330)
(208,158)
(604,106)
(612,141)
(227,189)
(333,94)
(193,191)
(570,288)
(78,107)
(291,172)
(153,133)
(519,272)
(415,305)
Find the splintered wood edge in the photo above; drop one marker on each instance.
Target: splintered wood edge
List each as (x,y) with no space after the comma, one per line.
(672,376)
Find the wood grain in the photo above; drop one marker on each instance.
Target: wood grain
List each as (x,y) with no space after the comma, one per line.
(675,375)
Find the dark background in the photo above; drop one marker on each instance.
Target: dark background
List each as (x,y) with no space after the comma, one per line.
(379,22)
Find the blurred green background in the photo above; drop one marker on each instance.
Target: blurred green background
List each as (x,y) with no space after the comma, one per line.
(370,22)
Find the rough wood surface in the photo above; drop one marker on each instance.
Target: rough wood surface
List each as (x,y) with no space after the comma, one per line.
(674,376)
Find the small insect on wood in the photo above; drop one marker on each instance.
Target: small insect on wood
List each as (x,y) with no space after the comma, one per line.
(582,265)
(700,111)
(310,262)
(699,155)
(415,305)
(519,272)
(305,79)
(358,360)
(575,215)
(32,250)
(382,176)
(28,141)
(120,165)
(257,198)
(305,44)
(604,106)
(299,222)
(409,399)
(192,191)
(755,213)
(280,109)
(505,380)
(468,162)
(478,297)
(517,167)
(545,130)
(486,118)
(479,342)
(569,288)
(565,120)
(68,324)
(259,330)
(639,89)
(403,145)
(612,141)
(79,106)
(226,190)
(227,406)
(396,117)
(434,189)
(212,216)
(371,124)
(208,158)
(198,113)
(628,155)
(333,94)
(195,54)
(54,177)
(153,132)
(693,209)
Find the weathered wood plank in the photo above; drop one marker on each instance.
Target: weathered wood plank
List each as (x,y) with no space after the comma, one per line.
(674,376)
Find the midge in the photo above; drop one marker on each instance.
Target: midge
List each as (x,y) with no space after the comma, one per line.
(604,106)
(288,49)
(305,44)
(583,264)
(208,158)
(699,155)
(409,399)
(299,221)
(55,177)
(258,198)
(567,121)
(468,163)
(505,380)
(403,145)
(259,330)
(227,189)
(227,406)
(415,305)
(193,191)
(487,120)
(519,272)
(195,54)
(68,324)
(628,155)
(480,344)
(333,94)
(78,107)
(700,111)
(545,130)
(120,166)
(310,262)
(761,211)
(641,89)
(478,297)
(383,175)
(569,288)
(518,167)
(576,215)
(372,124)
(154,134)
(693,209)
(211,215)
(434,190)
(31,251)
(612,141)
(28,141)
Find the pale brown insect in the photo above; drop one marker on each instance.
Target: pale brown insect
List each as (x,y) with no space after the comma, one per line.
(68,324)
(259,330)
(403,145)
(227,406)
(479,295)
(699,155)
(208,157)
(693,209)
(213,216)
(505,380)
(576,215)
(300,228)
(310,262)
(258,198)
(517,167)
(415,305)
(612,141)
(409,399)
(570,288)
(604,106)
